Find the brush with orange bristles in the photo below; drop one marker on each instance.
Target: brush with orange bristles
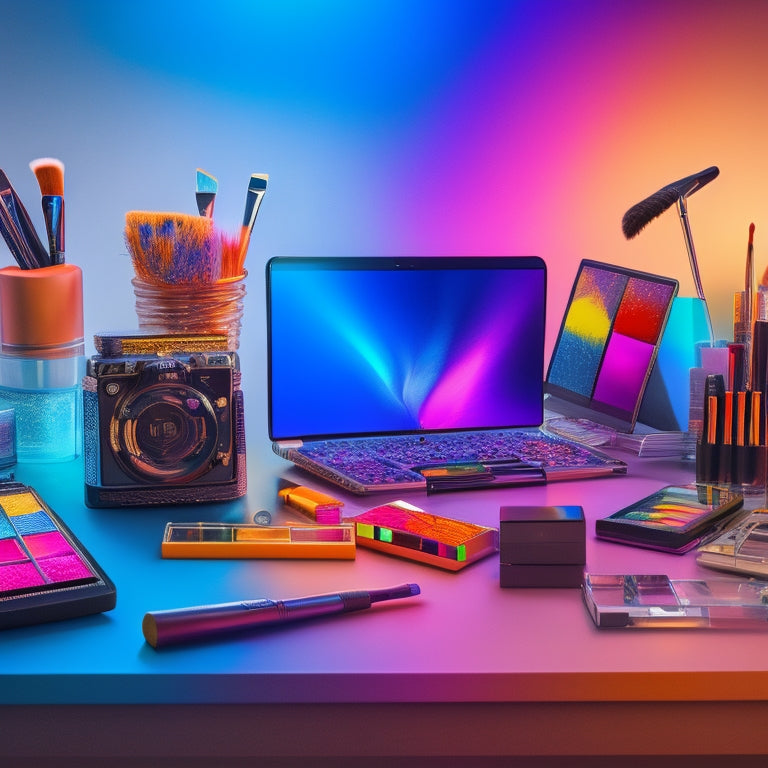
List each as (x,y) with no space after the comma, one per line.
(173,248)
(180,249)
(49,173)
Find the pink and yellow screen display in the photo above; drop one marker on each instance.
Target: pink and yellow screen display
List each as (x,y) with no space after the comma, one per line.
(609,338)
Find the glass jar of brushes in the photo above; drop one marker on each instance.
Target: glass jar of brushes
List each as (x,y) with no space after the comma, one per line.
(214,307)
(42,359)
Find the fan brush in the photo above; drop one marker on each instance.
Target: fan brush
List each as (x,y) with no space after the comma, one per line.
(647,210)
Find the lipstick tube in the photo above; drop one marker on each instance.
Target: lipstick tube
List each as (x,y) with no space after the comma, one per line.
(42,359)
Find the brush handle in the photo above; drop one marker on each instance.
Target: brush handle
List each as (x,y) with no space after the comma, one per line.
(682,210)
(53,213)
(13,238)
(35,254)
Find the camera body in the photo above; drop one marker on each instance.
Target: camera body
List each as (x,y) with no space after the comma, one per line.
(163,426)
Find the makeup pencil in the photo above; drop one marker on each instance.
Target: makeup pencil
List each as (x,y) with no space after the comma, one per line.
(183,625)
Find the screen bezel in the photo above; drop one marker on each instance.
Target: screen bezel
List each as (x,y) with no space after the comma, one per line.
(427,263)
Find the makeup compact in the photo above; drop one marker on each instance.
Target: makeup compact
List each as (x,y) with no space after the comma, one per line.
(46,574)
(401,529)
(649,601)
(674,519)
(542,546)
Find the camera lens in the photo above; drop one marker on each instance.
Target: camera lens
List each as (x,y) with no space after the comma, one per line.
(166,433)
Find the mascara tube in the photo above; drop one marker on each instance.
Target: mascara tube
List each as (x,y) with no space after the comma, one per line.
(707,448)
(42,359)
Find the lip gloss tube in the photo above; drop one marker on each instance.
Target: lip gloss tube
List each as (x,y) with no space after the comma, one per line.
(42,359)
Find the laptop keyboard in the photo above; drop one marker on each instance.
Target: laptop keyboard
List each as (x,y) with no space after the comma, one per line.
(396,459)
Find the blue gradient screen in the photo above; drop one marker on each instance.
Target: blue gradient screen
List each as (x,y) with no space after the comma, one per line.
(362,346)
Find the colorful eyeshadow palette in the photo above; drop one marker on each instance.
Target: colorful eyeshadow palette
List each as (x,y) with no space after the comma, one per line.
(401,529)
(608,343)
(674,519)
(45,572)
(246,540)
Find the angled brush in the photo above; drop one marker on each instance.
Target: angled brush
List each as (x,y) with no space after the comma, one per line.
(257,186)
(49,173)
(205,193)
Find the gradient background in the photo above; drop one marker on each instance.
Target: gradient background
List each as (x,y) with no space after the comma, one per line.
(396,128)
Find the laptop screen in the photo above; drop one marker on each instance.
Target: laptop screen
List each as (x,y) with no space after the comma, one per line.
(608,342)
(367,346)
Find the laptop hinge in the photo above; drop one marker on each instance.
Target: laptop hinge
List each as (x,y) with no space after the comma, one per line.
(284,447)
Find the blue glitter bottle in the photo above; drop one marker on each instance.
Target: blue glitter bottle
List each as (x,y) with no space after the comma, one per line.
(42,359)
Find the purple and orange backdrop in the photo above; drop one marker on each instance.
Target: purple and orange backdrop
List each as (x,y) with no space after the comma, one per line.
(398,128)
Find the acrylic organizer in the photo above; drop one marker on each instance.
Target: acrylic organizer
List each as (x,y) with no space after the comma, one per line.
(42,359)
(215,307)
(667,401)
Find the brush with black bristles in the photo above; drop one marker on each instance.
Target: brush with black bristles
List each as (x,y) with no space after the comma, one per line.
(653,206)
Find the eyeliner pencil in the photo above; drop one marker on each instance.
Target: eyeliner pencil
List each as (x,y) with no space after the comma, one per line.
(162,628)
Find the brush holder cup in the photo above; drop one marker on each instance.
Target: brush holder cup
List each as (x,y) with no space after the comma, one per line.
(42,359)
(215,307)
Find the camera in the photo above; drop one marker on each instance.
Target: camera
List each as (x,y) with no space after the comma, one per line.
(163,422)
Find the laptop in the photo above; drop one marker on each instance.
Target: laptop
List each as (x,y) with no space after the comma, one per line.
(404,373)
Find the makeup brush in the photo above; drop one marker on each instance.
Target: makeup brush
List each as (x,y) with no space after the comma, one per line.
(16,243)
(17,229)
(205,193)
(172,248)
(257,186)
(49,173)
(653,206)
(749,301)
(231,265)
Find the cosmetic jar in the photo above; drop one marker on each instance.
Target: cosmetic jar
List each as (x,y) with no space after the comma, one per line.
(215,307)
(42,359)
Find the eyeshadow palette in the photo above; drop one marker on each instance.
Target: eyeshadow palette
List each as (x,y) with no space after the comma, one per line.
(401,529)
(674,519)
(45,572)
(246,540)
(608,343)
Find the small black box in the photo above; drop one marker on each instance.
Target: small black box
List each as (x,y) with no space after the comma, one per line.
(542,546)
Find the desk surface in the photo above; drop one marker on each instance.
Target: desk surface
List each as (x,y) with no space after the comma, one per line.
(465,640)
